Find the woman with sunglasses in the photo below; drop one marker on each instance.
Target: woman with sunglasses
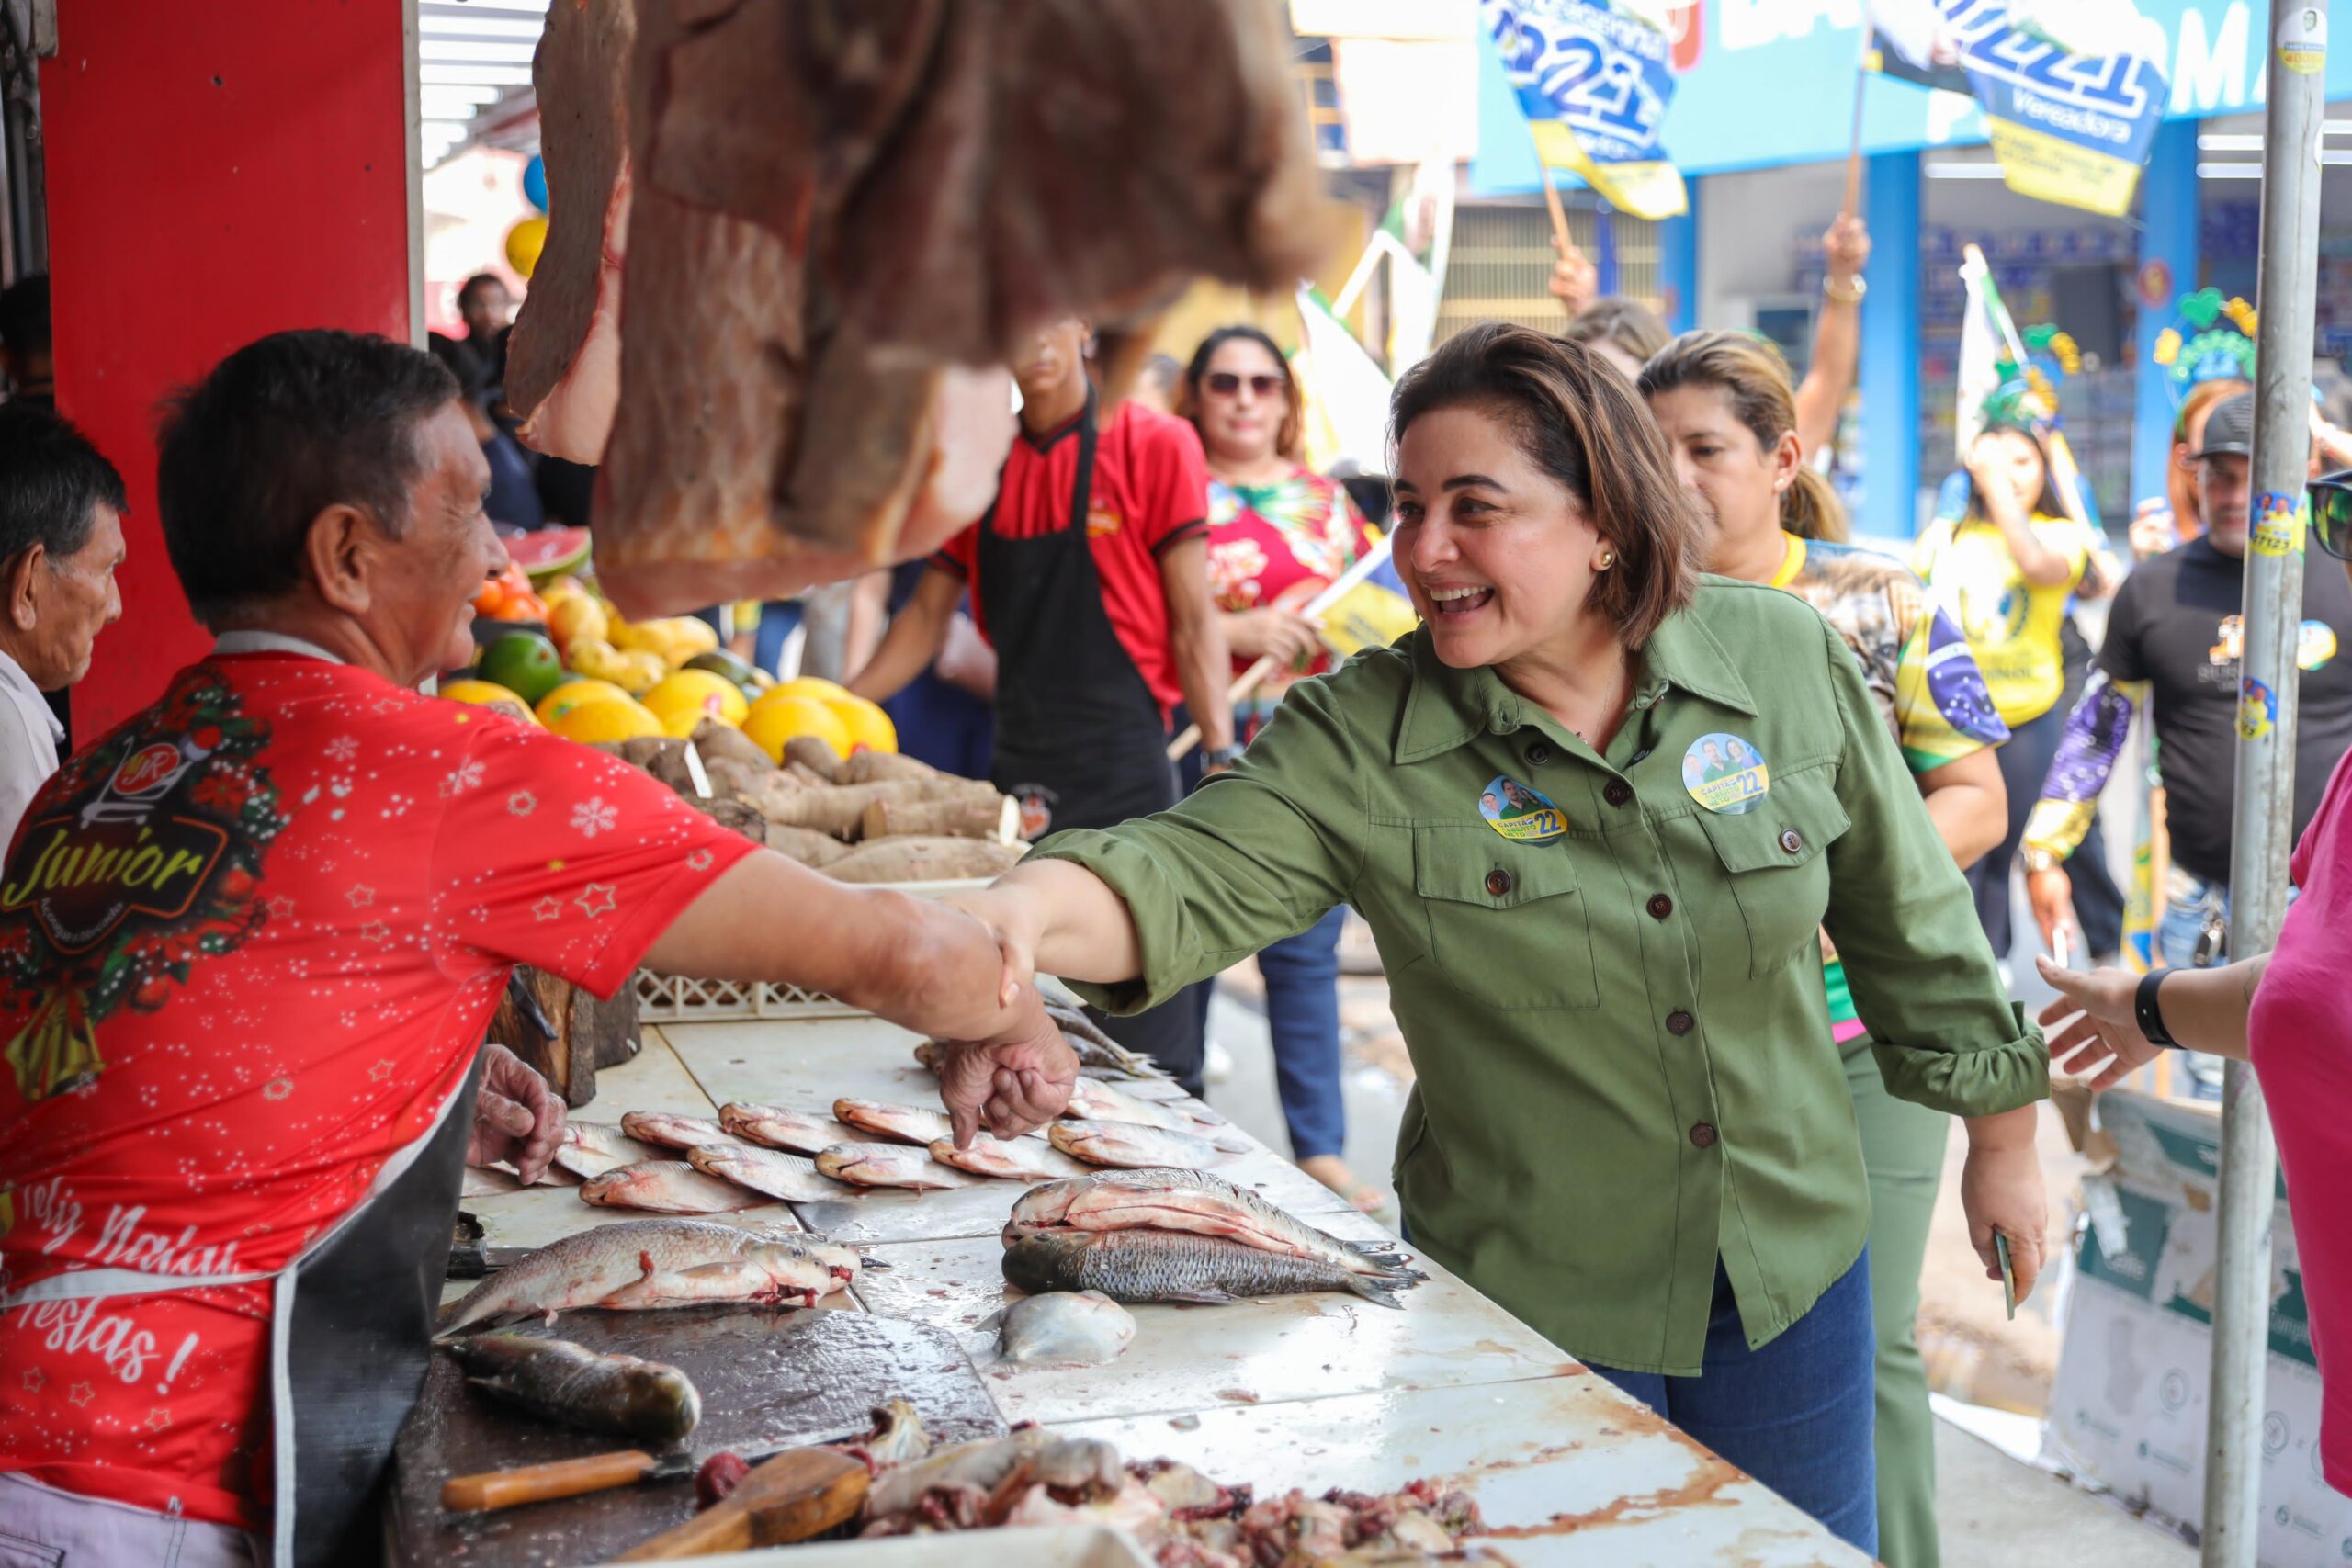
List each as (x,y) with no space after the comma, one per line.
(1279,534)
(2289,1012)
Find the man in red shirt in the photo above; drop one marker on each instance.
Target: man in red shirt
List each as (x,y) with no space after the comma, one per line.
(249,944)
(1090,576)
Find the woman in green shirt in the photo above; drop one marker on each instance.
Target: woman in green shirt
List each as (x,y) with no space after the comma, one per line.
(1629,1126)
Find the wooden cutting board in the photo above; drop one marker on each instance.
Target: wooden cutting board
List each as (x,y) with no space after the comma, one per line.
(768,1380)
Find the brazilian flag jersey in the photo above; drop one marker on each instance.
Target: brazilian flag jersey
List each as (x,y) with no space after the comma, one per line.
(2011,624)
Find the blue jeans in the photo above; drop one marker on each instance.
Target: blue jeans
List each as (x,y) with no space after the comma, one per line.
(779,619)
(1302,974)
(1797,1414)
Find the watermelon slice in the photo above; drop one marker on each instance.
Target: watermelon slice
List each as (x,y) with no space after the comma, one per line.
(549,552)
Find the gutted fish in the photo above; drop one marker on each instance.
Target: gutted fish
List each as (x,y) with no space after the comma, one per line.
(898,1436)
(1190,1200)
(1173,1265)
(674,1131)
(1019,1159)
(592,1148)
(789,1177)
(1131,1144)
(665,1187)
(1065,1325)
(889,1165)
(591,1267)
(955,1484)
(900,1123)
(776,1128)
(557,1381)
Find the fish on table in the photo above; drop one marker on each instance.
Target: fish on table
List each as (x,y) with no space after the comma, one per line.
(1175,1266)
(772,1126)
(899,1123)
(556,1380)
(666,1187)
(1085,1326)
(672,1132)
(1193,1201)
(1132,1144)
(592,1148)
(770,1171)
(611,1267)
(1018,1159)
(890,1165)
(1094,1101)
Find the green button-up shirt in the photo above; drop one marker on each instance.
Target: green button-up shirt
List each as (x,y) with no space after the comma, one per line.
(1622,1040)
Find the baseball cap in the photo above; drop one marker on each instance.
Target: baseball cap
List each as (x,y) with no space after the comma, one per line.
(2229,431)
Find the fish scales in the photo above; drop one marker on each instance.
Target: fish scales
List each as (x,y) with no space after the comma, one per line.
(1193,1201)
(558,1380)
(585,1268)
(1173,1265)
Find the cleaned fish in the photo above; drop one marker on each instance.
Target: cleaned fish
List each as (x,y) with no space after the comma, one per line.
(902,1123)
(665,1187)
(592,1148)
(773,1127)
(1093,1101)
(1065,1325)
(770,1171)
(594,1266)
(1131,1144)
(889,1165)
(1021,1159)
(555,1380)
(1173,1265)
(674,1131)
(975,1470)
(1190,1200)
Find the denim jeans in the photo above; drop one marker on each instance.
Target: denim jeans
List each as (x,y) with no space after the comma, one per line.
(2191,903)
(1796,1414)
(1302,974)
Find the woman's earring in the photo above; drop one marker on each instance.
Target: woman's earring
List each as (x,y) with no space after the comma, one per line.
(1608,560)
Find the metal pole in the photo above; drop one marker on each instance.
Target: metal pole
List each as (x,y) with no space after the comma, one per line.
(2263,821)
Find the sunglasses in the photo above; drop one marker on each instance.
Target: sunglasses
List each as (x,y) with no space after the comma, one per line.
(1225,383)
(2331,497)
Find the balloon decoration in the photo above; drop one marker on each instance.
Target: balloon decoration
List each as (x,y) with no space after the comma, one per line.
(535,182)
(523,243)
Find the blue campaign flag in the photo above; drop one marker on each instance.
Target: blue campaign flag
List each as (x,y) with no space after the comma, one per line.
(1593,83)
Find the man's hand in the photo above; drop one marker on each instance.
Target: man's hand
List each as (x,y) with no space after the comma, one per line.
(1018,1081)
(517,1117)
(2153,529)
(1575,280)
(1846,248)
(2052,893)
(2104,1036)
(1012,917)
(2000,1190)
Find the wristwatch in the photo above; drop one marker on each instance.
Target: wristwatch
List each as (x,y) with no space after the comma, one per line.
(2038,859)
(2148,1013)
(1850,295)
(1221,756)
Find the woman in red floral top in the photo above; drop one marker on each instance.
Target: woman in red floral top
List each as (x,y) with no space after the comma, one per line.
(1279,535)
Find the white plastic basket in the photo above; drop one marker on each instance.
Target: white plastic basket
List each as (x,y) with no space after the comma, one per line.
(673,999)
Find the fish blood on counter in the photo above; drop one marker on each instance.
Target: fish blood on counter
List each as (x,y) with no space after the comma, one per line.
(558,1380)
(656,1263)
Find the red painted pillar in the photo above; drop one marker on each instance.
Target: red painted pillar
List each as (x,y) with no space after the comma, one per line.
(216,172)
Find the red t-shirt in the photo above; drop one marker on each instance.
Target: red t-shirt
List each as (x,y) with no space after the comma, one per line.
(310,886)
(2300,1036)
(1149,494)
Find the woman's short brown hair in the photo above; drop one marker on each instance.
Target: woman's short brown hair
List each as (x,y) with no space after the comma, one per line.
(1577,419)
(1628,324)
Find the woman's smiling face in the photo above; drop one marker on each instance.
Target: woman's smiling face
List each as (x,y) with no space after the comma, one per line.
(1495,552)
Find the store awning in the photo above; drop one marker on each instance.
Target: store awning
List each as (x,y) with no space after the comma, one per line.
(473,69)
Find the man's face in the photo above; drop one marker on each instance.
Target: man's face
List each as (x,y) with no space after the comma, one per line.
(73,598)
(2225,495)
(1056,354)
(487,310)
(420,609)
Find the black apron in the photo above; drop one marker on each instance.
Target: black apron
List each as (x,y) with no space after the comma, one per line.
(1080,740)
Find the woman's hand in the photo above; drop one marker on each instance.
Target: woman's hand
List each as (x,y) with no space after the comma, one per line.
(2001,1190)
(1292,641)
(2103,1035)
(1991,477)
(2153,530)
(517,1117)
(1846,248)
(1016,919)
(1575,280)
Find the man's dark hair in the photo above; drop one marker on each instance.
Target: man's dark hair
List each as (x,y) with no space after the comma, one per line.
(284,428)
(475,284)
(24,314)
(52,482)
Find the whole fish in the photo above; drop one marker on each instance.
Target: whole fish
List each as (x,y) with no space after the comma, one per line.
(1173,1265)
(1131,1144)
(1021,1159)
(1190,1200)
(665,1187)
(889,1165)
(674,1131)
(776,1174)
(592,1148)
(1094,1101)
(773,1127)
(555,1380)
(1065,1325)
(592,1267)
(900,1123)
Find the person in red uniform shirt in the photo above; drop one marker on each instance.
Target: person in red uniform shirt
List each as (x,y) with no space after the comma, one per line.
(1090,576)
(249,944)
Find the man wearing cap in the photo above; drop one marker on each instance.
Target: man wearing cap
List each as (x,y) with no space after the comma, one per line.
(2174,638)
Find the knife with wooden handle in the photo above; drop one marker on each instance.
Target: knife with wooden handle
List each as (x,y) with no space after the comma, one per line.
(798,1493)
(495,1489)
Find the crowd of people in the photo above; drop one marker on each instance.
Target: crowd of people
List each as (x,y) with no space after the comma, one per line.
(1684,825)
